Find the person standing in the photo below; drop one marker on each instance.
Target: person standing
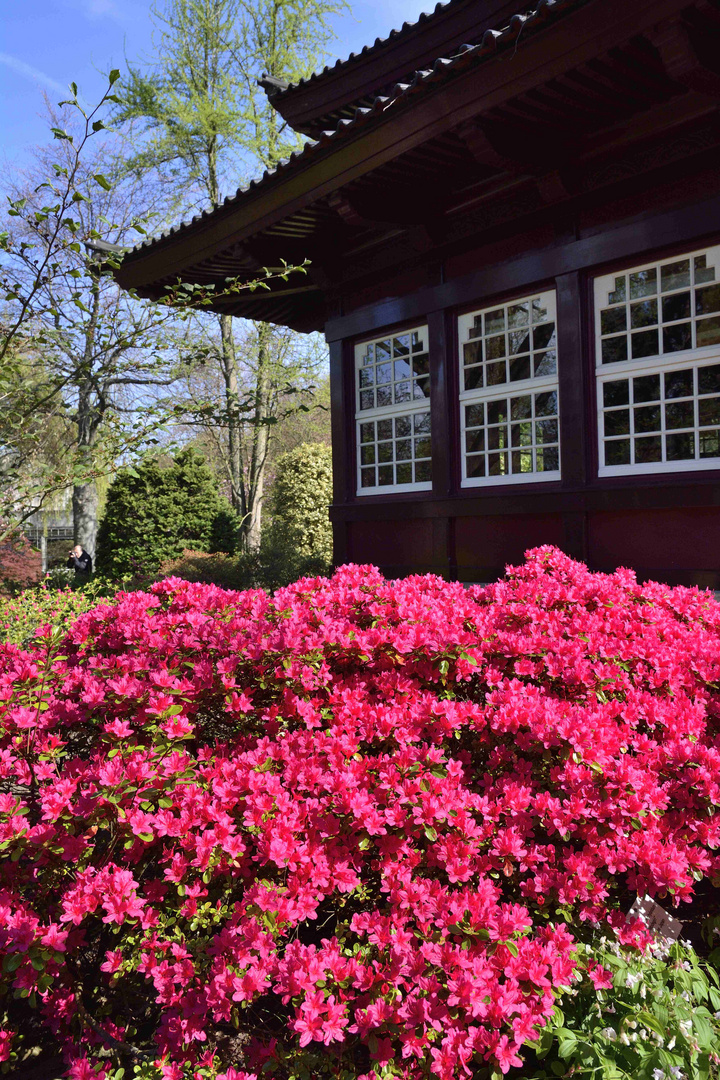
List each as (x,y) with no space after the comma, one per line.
(81,562)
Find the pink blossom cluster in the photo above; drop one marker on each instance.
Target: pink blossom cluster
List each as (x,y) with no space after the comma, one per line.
(359,821)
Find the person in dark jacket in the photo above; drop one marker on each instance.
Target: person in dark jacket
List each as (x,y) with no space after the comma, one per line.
(80,561)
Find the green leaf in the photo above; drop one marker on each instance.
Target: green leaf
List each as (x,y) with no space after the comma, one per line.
(431,833)
(651,1022)
(102,181)
(113,76)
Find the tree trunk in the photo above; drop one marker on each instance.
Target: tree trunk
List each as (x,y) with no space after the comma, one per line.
(260,439)
(232,401)
(85,515)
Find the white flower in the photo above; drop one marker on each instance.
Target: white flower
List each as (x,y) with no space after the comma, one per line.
(609,1033)
(632,979)
(686,1028)
(671,1043)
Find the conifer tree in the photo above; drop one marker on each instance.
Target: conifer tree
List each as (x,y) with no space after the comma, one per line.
(155,511)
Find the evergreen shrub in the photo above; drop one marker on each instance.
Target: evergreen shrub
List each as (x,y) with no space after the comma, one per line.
(298,537)
(364,829)
(159,508)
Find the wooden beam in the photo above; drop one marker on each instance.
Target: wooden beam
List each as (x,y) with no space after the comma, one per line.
(696,223)
(689,55)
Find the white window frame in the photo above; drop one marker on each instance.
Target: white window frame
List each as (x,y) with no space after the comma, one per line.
(498,392)
(659,364)
(387,412)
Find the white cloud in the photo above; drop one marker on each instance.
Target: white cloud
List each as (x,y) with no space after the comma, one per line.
(30,72)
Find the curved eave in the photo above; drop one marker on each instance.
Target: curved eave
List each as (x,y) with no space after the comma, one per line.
(307,105)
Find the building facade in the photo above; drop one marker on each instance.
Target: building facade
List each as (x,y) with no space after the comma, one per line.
(513,227)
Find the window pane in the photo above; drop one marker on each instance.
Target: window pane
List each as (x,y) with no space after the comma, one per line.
(679,384)
(709,411)
(647,418)
(614,350)
(678,337)
(709,379)
(616,393)
(676,307)
(548,459)
(546,404)
(618,422)
(680,447)
(520,369)
(474,378)
(617,452)
(612,320)
(644,343)
(710,443)
(648,449)
(708,332)
(643,283)
(545,364)
(680,415)
(403,426)
(707,300)
(521,407)
(646,388)
(644,314)
(496,374)
(675,275)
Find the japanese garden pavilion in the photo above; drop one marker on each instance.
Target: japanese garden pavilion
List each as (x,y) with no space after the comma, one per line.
(513,227)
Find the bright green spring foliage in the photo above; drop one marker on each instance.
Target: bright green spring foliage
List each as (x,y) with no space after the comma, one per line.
(299,528)
(155,511)
(22,615)
(654,1018)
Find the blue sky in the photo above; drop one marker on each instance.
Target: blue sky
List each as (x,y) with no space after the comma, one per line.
(44,44)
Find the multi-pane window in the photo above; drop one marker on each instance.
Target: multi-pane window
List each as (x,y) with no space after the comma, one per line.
(658,366)
(509,392)
(393,413)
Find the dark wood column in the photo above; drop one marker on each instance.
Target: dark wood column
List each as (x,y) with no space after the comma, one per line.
(575,403)
(443,405)
(342,404)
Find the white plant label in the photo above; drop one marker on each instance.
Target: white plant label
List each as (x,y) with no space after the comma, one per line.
(656,918)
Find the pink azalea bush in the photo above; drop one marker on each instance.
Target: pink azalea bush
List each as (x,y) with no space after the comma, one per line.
(359,828)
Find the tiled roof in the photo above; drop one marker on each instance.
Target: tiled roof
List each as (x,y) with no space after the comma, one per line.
(278,91)
(492,42)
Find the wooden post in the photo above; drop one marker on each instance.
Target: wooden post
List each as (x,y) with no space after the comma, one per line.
(575,411)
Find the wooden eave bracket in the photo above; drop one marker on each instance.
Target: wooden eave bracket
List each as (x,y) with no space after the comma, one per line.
(690,56)
(485,148)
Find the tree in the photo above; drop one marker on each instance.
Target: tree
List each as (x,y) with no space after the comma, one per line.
(105,352)
(158,509)
(299,533)
(43,235)
(203,120)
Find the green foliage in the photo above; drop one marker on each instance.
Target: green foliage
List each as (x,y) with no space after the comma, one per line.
(659,1021)
(21,615)
(299,530)
(155,511)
